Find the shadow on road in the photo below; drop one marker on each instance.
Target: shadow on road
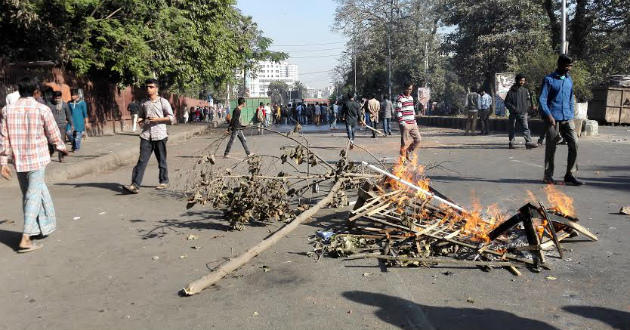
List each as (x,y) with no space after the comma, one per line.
(10,238)
(205,220)
(115,187)
(617,319)
(407,314)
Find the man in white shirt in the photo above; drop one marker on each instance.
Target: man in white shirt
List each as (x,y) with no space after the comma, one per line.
(485,102)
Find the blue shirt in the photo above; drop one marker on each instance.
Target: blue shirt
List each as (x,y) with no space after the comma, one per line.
(485,101)
(79,113)
(556,97)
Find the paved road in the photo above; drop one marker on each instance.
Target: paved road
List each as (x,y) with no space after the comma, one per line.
(98,269)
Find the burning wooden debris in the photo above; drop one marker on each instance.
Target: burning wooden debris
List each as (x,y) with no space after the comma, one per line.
(411,224)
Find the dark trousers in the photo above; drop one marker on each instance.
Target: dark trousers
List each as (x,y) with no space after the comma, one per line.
(146,149)
(374,125)
(241,137)
(566,129)
(521,120)
(484,118)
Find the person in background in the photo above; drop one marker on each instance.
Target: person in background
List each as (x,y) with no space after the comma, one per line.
(351,113)
(374,108)
(387,112)
(63,117)
(409,133)
(472,111)
(235,129)
(155,113)
(259,118)
(485,102)
(13,97)
(518,102)
(335,113)
(134,110)
(79,119)
(557,110)
(26,129)
(317,111)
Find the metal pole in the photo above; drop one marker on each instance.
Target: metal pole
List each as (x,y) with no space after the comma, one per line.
(389,48)
(355,71)
(438,198)
(563,45)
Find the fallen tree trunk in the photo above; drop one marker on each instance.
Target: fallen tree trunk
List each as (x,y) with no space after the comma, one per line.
(212,278)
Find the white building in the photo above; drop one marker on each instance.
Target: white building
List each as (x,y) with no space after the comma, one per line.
(320,93)
(270,71)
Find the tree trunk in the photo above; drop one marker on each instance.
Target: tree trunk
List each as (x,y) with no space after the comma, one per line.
(553,22)
(580,28)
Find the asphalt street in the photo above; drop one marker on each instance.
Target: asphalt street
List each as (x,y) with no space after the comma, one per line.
(119,261)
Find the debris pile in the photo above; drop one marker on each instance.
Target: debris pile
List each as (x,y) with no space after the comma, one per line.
(411,224)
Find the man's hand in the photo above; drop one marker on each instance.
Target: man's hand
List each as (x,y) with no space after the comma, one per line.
(551,121)
(6,172)
(63,152)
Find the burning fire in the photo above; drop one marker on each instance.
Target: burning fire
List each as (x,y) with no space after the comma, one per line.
(478,228)
(411,172)
(561,202)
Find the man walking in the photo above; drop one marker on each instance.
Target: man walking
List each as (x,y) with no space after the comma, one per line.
(556,108)
(236,130)
(134,111)
(63,117)
(485,102)
(26,128)
(519,102)
(472,111)
(335,113)
(409,133)
(374,107)
(387,112)
(351,113)
(78,109)
(155,113)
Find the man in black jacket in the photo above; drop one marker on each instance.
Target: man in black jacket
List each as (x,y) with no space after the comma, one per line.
(235,128)
(352,114)
(63,117)
(519,102)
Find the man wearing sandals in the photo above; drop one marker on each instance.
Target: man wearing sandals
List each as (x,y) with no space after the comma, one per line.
(26,129)
(155,113)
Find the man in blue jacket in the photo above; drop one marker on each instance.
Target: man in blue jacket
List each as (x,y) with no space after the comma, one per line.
(556,108)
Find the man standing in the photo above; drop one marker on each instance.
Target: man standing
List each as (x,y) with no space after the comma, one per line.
(472,111)
(409,133)
(556,108)
(374,107)
(485,102)
(268,115)
(387,110)
(236,130)
(79,119)
(519,102)
(26,128)
(63,117)
(335,113)
(259,118)
(351,113)
(155,113)
(317,113)
(134,110)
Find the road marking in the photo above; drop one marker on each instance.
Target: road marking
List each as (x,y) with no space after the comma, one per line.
(526,163)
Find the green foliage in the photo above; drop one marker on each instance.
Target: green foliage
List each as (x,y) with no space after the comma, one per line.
(277,91)
(183,43)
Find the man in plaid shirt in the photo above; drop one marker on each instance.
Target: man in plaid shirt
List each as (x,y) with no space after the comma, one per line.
(409,133)
(26,129)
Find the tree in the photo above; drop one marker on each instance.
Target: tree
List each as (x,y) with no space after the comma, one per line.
(300,88)
(277,91)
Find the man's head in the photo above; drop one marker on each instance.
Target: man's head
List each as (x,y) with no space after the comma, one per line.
(350,96)
(56,97)
(520,79)
(482,91)
(75,94)
(241,101)
(408,88)
(386,97)
(565,62)
(152,86)
(27,86)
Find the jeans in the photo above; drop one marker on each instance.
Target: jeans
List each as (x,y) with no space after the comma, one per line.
(374,125)
(566,129)
(75,138)
(241,137)
(387,126)
(333,122)
(350,130)
(521,120)
(146,149)
(484,118)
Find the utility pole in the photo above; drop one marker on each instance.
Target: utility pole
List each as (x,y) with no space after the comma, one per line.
(389,48)
(355,70)
(563,45)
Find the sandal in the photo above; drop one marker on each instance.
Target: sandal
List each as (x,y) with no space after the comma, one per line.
(31,248)
(162,186)
(131,188)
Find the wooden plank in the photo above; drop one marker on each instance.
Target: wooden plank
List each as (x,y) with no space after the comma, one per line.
(574,225)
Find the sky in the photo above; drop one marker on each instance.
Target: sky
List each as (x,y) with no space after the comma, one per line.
(301,28)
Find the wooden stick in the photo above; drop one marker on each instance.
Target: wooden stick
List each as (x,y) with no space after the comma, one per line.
(220,272)
(438,260)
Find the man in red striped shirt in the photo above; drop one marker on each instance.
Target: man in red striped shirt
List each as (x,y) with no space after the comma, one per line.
(409,133)
(26,129)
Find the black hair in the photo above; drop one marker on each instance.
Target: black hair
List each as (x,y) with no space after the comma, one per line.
(564,59)
(74,91)
(519,77)
(407,84)
(241,100)
(350,95)
(152,81)
(386,97)
(261,104)
(56,93)
(27,86)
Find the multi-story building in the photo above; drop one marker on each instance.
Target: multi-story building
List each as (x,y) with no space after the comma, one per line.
(270,71)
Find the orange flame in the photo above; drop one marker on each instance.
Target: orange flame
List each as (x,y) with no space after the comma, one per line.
(411,172)
(561,202)
(478,228)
